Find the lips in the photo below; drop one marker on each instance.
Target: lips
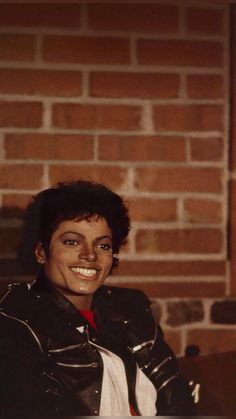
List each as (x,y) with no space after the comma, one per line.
(85,272)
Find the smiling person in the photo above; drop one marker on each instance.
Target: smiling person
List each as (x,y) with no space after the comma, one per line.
(69,344)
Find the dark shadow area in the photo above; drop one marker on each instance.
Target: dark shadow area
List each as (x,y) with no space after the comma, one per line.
(12,212)
(10,236)
(216,375)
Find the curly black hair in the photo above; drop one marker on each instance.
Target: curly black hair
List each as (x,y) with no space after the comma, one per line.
(78,200)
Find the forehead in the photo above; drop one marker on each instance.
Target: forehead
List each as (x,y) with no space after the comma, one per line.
(96,227)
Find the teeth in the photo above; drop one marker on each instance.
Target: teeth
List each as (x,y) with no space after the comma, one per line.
(84,271)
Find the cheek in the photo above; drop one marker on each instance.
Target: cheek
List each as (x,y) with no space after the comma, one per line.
(57,259)
(109,263)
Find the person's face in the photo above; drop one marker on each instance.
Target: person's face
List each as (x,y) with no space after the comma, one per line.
(79,257)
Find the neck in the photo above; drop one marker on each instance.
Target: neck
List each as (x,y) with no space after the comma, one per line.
(81,302)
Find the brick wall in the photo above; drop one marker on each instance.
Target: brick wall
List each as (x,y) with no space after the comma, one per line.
(134,96)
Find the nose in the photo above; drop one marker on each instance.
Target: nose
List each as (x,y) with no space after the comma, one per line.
(88,253)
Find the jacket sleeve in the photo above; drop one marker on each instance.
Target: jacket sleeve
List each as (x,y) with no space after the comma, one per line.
(159,364)
(146,342)
(24,384)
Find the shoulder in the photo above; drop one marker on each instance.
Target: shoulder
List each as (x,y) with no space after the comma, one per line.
(127,300)
(14,325)
(127,294)
(14,296)
(13,303)
(14,288)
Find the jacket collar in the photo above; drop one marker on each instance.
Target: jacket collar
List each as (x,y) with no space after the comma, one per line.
(42,288)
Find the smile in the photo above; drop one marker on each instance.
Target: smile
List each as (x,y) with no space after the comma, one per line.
(84,271)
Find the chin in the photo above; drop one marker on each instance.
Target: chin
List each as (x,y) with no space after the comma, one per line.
(84,290)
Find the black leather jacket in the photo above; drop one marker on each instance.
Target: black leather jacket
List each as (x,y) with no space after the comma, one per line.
(49,367)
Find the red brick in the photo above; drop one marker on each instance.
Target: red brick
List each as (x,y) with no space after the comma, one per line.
(86,50)
(113,177)
(203,211)
(193,241)
(186,312)
(17,47)
(141,148)
(232,157)
(201,86)
(209,21)
(152,209)
(140,85)
(173,339)
(179,179)
(206,149)
(43,82)
(177,289)
(20,114)
(9,240)
(212,340)
(171,268)
(188,117)
(14,204)
(10,267)
(119,117)
(20,176)
(232,237)
(223,312)
(180,53)
(134,17)
(126,248)
(156,309)
(59,15)
(49,146)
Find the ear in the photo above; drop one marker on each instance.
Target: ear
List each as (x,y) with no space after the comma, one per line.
(40,253)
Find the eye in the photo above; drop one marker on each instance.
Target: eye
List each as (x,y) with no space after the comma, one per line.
(71,242)
(104,246)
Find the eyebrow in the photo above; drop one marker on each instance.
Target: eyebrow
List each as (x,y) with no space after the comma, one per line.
(81,235)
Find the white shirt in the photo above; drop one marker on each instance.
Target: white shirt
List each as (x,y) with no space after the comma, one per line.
(114,397)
